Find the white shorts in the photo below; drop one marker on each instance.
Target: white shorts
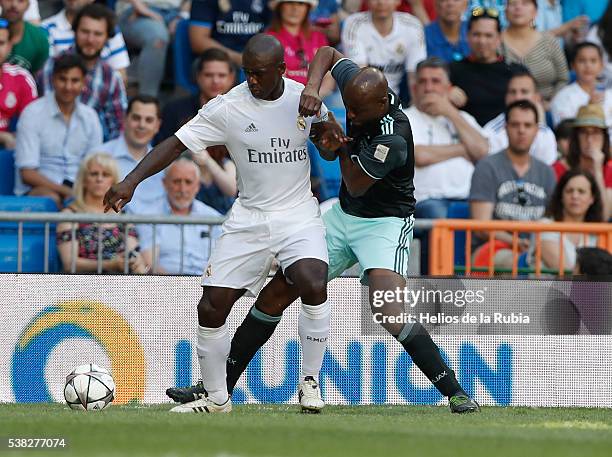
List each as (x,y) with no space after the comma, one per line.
(252,239)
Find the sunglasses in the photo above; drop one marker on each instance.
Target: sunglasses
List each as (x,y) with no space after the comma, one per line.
(4,24)
(481,11)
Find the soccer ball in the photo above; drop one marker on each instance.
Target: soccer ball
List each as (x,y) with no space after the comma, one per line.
(89,388)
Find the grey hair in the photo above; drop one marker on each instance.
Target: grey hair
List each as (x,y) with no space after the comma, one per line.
(184,158)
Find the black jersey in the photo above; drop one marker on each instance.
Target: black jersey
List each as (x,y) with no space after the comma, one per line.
(386,153)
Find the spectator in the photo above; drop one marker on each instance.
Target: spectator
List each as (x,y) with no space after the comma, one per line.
(215,76)
(601,35)
(147,26)
(575,199)
(382,38)
(563,135)
(32,14)
(291,26)
(511,185)
(61,37)
(104,90)
(54,133)
(550,20)
(17,88)
(142,123)
(325,19)
(446,37)
(590,150)
(30,42)
(218,187)
(181,182)
(522,86)
(423,10)
(226,24)
(539,52)
(447,142)
(594,9)
(588,65)
(483,76)
(97,173)
(593,262)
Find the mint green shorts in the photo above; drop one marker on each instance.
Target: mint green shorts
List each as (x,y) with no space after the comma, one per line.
(381,242)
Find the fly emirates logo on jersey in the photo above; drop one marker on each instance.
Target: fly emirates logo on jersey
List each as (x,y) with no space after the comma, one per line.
(280,152)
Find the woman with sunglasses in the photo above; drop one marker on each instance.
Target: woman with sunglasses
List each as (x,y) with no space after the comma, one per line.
(539,52)
(291,26)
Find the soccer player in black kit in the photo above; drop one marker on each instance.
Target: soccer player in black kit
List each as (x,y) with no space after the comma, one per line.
(371,225)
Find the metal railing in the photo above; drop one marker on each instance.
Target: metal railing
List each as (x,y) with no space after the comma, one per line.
(48,219)
(74,219)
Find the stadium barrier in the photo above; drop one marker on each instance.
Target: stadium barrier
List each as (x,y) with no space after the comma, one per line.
(12,257)
(143,329)
(444,234)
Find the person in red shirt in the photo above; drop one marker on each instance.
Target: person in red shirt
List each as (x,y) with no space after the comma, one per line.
(17,88)
(589,150)
(291,26)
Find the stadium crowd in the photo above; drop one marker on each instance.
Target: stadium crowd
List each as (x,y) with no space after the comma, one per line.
(510,103)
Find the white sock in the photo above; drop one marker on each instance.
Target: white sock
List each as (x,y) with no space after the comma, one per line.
(213,349)
(313,327)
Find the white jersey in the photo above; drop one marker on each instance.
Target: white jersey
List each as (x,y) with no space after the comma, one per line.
(544,146)
(394,54)
(450,178)
(566,103)
(265,140)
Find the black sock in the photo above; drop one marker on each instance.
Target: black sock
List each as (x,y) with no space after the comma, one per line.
(255,330)
(426,355)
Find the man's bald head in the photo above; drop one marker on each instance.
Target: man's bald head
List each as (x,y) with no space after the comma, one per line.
(365,96)
(264,49)
(369,84)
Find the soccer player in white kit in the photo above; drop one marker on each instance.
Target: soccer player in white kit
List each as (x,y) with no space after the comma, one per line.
(275,215)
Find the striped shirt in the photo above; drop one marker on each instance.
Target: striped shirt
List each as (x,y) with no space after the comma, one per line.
(61,38)
(394,54)
(546,62)
(103,91)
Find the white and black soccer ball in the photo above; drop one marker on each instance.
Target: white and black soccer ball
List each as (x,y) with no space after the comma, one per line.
(89,388)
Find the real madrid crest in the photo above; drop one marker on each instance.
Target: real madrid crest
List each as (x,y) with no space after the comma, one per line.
(301,122)
(400,49)
(224,5)
(257,6)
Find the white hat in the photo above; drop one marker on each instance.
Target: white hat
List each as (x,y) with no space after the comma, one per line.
(313,3)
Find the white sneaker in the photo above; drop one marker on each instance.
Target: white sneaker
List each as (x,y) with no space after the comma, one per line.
(203,405)
(309,395)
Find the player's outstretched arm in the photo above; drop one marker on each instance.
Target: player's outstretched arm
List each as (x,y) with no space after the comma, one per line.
(155,161)
(328,137)
(324,60)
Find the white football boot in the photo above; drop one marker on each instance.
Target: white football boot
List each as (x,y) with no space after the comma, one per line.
(309,395)
(203,405)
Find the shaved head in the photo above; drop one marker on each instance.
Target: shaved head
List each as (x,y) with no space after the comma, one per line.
(365,96)
(369,84)
(263,62)
(264,49)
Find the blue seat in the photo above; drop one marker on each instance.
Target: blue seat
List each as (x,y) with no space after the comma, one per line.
(7,172)
(183,58)
(459,210)
(33,243)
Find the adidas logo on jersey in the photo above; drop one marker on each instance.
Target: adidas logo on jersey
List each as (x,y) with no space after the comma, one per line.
(251,128)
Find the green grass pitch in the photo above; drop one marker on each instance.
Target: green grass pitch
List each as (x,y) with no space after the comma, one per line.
(282,431)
